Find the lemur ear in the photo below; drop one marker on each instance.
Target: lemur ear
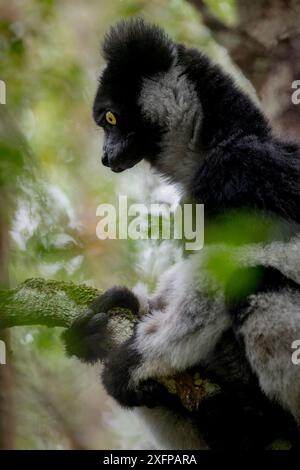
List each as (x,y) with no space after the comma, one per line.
(138,48)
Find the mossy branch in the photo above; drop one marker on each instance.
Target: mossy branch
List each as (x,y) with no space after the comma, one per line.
(44,302)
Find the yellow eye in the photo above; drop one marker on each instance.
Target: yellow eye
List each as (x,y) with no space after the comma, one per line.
(111,118)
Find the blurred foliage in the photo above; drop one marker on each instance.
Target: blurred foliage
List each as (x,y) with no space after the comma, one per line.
(51,182)
(238,228)
(224,9)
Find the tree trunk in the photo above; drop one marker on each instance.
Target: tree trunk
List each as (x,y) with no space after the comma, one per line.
(265,44)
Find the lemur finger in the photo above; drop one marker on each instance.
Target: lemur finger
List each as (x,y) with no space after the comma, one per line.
(83,318)
(91,349)
(87,339)
(150,393)
(97,323)
(147,393)
(117,296)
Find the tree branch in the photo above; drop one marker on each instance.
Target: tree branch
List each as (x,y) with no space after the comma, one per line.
(44,302)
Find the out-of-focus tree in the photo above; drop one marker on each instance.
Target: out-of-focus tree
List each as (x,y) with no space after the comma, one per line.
(47,217)
(264,41)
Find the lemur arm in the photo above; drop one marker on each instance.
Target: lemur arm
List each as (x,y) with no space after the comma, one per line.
(182,325)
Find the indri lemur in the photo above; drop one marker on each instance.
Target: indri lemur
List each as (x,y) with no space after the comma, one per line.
(170,105)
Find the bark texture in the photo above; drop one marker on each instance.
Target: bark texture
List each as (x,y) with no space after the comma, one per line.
(265,44)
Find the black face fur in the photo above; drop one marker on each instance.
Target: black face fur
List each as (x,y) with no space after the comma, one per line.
(132,51)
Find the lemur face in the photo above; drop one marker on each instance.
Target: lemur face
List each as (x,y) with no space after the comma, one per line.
(133,51)
(129,136)
(145,103)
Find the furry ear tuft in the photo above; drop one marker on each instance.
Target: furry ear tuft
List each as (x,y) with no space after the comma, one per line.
(138,48)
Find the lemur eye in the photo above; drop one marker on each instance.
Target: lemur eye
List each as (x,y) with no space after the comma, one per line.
(111,118)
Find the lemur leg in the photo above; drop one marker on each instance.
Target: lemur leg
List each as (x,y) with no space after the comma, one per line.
(267,324)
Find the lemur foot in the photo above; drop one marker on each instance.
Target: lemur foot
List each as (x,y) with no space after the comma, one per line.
(147,393)
(118,377)
(87,337)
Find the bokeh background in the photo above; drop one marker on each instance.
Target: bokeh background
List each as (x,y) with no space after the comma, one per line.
(51,182)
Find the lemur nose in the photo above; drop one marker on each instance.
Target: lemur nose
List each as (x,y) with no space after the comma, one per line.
(105,161)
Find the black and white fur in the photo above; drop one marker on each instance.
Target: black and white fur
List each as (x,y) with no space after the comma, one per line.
(190,121)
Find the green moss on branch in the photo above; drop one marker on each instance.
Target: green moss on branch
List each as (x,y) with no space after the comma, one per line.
(44,302)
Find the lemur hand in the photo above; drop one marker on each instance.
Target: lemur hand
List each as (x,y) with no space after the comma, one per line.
(87,337)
